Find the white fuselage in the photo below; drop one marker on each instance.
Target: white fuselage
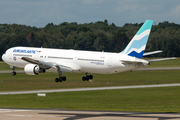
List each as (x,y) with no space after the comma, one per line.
(79,61)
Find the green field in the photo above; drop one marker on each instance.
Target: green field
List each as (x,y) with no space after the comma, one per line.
(4,66)
(144,100)
(165,63)
(166,99)
(46,81)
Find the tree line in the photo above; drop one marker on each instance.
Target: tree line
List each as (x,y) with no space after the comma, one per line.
(98,36)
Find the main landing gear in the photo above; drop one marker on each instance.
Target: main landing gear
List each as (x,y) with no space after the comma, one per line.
(13,72)
(87,77)
(60,79)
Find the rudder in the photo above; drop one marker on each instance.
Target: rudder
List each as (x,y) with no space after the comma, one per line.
(137,45)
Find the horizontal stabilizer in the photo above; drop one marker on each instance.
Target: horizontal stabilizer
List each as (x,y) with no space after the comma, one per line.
(161,59)
(154,52)
(136,61)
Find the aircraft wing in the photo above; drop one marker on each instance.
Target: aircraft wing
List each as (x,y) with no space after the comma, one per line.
(65,67)
(45,65)
(154,52)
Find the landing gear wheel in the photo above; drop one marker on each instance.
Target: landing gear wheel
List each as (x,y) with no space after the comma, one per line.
(57,80)
(60,79)
(64,78)
(83,78)
(87,78)
(91,77)
(13,73)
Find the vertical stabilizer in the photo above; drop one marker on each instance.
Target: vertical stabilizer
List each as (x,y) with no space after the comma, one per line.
(137,45)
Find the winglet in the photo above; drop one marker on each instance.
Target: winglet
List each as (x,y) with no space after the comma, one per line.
(137,45)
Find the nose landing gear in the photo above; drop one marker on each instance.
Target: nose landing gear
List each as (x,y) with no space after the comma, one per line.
(13,72)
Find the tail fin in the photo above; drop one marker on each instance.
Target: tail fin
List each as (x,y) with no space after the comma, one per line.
(137,45)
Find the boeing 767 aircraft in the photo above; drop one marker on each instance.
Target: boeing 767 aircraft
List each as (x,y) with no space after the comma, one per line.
(38,60)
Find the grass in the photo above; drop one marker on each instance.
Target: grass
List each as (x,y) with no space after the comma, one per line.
(4,66)
(166,63)
(46,81)
(165,99)
(144,100)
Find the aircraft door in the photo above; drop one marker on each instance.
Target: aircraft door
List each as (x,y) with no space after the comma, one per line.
(75,59)
(109,62)
(9,56)
(36,56)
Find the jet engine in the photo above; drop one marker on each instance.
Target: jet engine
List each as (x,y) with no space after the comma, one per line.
(32,69)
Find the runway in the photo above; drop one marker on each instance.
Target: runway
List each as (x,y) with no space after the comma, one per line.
(88,89)
(30,114)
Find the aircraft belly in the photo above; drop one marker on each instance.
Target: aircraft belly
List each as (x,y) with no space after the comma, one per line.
(103,68)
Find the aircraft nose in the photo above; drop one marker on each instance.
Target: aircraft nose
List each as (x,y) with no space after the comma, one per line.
(3,57)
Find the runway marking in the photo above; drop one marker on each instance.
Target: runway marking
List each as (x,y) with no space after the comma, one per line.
(89,89)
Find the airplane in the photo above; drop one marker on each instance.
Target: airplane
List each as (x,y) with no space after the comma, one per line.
(39,60)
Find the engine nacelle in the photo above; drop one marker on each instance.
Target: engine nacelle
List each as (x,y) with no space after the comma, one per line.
(32,69)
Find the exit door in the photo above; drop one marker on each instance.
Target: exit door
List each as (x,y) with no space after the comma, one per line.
(109,61)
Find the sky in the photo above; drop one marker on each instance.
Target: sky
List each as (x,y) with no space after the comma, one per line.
(39,13)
